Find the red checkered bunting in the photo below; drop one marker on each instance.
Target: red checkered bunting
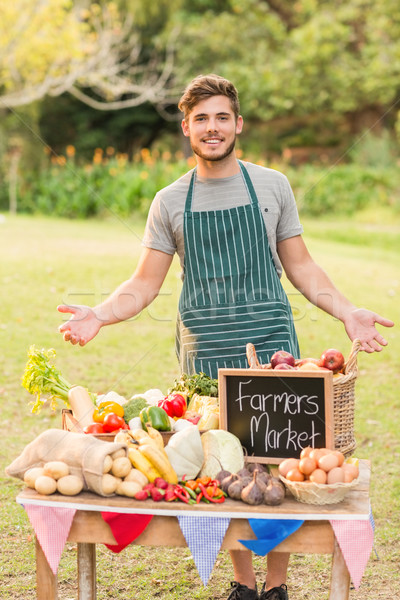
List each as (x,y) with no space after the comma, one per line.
(51,526)
(356,539)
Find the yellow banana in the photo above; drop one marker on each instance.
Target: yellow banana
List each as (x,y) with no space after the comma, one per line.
(156,437)
(160,461)
(140,436)
(123,437)
(143,464)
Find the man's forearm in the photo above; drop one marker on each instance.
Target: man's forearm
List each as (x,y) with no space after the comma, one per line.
(315,285)
(127,301)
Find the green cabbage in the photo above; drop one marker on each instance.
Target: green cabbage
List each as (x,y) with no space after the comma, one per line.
(222,450)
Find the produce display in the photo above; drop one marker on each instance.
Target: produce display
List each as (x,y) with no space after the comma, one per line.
(197,462)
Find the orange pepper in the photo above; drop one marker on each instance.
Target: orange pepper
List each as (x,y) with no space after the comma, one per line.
(191,484)
(203,480)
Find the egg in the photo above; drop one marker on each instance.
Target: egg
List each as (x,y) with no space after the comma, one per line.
(335,475)
(318,476)
(287,464)
(307,465)
(328,462)
(316,453)
(348,477)
(306,452)
(340,456)
(295,475)
(351,470)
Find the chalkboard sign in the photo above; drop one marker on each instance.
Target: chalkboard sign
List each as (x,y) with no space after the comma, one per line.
(275,415)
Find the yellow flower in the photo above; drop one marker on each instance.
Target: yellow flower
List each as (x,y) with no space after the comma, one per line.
(98,156)
(61,160)
(70,151)
(110,151)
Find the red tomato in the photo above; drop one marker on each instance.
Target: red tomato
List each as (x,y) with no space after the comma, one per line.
(112,422)
(94,428)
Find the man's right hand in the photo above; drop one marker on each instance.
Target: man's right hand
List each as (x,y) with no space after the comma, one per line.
(82,327)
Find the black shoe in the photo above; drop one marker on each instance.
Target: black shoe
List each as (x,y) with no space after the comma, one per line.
(242,592)
(276,593)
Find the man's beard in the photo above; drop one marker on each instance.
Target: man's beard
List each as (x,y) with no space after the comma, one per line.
(214,157)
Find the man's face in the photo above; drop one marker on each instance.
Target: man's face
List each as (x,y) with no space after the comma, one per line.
(212,128)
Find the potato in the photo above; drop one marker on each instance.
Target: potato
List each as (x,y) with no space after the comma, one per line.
(45,485)
(118,454)
(56,469)
(70,485)
(121,466)
(109,484)
(108,462)
(138,476)
(128,488)
(31,475)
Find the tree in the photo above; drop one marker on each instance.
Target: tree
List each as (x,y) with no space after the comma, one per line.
(49,47)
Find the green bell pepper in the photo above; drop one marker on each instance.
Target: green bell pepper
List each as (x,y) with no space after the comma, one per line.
(156,417)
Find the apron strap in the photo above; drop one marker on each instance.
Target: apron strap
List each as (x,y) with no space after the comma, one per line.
(249,185)
(189,196)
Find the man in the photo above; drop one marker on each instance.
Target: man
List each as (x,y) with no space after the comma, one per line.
(234,226)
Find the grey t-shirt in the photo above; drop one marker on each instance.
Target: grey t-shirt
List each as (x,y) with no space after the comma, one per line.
(164,228)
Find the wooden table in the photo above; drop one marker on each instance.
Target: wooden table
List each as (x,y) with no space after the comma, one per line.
(88,528)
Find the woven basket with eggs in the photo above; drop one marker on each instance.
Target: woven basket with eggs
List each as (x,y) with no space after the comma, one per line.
(319,476)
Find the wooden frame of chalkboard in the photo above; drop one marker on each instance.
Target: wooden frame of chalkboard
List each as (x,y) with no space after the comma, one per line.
(277,413)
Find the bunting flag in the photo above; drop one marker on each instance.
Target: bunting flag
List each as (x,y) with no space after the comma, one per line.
(51,526)
(125,528)
(270,533)
(204,536)
(356,539)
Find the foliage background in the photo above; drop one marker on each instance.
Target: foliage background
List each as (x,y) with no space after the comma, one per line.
(316,78)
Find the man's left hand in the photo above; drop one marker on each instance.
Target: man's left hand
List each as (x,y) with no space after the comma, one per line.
(360,324)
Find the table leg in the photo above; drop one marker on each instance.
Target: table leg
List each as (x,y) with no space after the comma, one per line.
(340,577)
(86,571)
(46,581)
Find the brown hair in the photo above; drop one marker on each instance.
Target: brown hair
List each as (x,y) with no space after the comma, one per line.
(206,86)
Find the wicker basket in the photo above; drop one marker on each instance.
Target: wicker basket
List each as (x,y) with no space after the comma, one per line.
(318,493)
(343,397)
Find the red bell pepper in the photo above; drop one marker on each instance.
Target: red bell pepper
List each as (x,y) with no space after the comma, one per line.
(174,405)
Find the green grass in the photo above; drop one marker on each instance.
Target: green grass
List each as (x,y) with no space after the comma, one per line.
(44,262)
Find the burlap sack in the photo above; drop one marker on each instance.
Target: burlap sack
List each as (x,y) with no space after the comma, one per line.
(83,453)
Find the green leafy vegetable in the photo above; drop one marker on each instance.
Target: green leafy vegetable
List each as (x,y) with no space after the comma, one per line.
(133,407)
(199,383)
(42,377)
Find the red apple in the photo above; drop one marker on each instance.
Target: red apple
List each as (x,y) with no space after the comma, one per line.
(280,357)
(303,361)
(284,367)
(332,359)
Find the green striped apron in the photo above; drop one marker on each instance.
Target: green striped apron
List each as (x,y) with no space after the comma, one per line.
(231,291)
